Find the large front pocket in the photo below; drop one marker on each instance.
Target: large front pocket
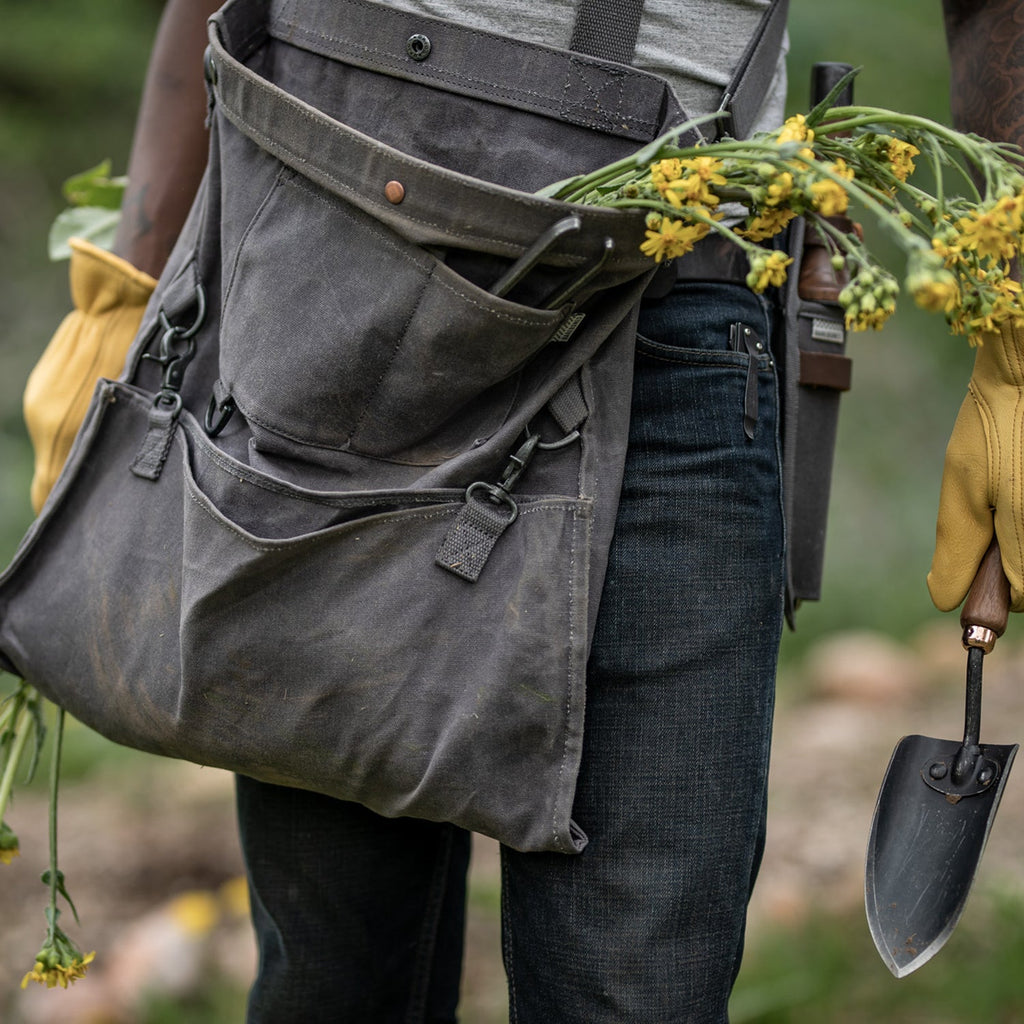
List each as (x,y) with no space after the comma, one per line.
(326,650)
(339,334)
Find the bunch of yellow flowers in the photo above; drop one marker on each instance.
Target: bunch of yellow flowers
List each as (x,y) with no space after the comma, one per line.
(828,164)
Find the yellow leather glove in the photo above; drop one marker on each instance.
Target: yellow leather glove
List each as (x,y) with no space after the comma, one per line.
(983,479)
(109,296)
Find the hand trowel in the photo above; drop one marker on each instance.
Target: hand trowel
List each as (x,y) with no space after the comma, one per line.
(936,806)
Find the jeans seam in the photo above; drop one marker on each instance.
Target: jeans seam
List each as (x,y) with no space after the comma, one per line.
(506,940)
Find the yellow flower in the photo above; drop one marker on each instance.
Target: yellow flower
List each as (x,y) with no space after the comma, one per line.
(938,294)
(990,232)
(779,189)
(830,198)
(707,168)
(931,284)
(668,238)
(234,895)
(768,269)
(51,971)
(867,319)
(795,129)
(901,158)
(950,251)
(870,298)
(1012,209)
(663,171)
(8,853)
(680,188)
(768,223)
(196,913)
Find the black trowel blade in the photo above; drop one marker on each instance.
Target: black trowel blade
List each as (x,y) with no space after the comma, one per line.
(924,849)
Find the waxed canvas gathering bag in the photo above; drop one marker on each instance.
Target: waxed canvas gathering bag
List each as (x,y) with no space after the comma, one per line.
(343,521)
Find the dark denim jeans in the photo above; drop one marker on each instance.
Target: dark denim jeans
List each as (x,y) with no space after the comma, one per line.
(360,918)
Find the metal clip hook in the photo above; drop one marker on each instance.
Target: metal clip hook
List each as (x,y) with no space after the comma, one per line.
(518,462)
(529,259)
(170,354)
(562,295)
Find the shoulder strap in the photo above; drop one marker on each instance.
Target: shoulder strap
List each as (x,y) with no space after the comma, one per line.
(608,29)
(744,95)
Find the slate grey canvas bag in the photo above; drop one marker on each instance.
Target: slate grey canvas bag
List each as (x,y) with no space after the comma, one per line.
(343,521)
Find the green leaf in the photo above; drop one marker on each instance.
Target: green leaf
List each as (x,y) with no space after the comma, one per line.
(93,223)
(46,879)
(552,190)
(821,109)
(95,187)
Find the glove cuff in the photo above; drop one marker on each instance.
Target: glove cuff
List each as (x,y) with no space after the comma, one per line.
(1000,356)
(101,281)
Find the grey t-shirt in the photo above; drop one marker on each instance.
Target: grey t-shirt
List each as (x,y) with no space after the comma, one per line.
(695,44)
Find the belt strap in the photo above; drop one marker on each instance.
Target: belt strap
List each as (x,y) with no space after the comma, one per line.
(608,29)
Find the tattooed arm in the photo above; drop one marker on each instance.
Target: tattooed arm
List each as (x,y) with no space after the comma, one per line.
(986,49)
(169,149)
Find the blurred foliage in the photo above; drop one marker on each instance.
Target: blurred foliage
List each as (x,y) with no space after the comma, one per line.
(70,77)
(826,969)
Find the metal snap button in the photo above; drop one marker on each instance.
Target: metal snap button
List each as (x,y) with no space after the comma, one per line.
(418,47)
(394,192)
(209,68)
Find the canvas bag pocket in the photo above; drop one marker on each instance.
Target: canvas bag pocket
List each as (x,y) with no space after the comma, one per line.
(324,697)
(383,350)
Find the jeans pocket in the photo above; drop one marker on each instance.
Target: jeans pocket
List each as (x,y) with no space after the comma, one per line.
(697,316)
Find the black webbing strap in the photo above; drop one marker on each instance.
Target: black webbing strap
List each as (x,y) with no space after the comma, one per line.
(608,29)
(753,75)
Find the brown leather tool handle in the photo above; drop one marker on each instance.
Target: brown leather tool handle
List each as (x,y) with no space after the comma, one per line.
(987,607)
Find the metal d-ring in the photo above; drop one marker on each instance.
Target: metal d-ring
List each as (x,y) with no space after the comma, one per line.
(168,402)
(496,496)
(186,332)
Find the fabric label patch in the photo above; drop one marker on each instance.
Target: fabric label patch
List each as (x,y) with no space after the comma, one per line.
(827,330)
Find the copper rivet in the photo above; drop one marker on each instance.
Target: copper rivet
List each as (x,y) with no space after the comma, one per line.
(394,191)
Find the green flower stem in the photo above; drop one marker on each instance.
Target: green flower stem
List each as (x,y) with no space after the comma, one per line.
(852,247)
(58,743)
(7,713)
(935,158)
(848,118)
(576,189)
(21,736)
(904,238)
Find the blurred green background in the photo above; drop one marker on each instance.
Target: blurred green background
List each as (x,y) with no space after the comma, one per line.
(70,75)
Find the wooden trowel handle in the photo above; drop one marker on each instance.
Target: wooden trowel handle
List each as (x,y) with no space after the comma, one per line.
(988,602)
